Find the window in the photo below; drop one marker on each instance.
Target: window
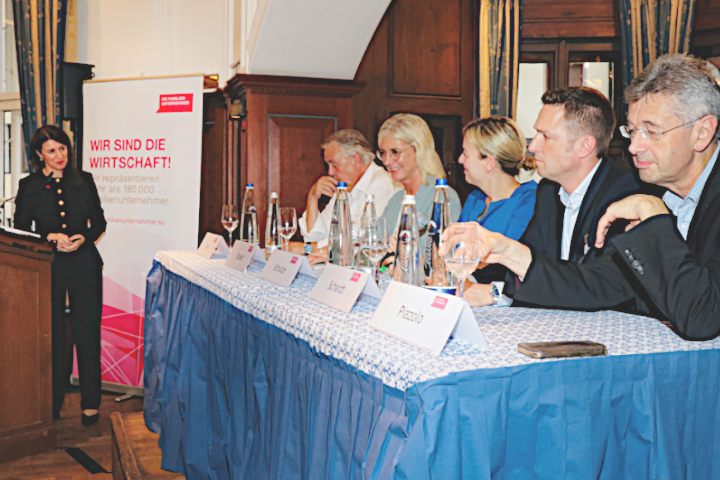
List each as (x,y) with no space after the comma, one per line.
(562,64)
(14,164)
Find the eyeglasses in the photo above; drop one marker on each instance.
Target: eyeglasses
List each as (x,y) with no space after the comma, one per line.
(628,132)
(393,153)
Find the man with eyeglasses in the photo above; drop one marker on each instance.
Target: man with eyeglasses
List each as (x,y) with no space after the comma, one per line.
(574,130)
(349,158)
(667,264)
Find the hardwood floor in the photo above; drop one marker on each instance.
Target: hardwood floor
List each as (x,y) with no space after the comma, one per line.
(94,441)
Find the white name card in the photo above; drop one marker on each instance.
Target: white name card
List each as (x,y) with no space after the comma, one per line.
(340,287)
(282,268)
(426,319)
(212,243)
(241,255)
(259,255)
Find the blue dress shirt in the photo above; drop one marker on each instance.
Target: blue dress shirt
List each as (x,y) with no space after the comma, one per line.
(509,217)
(684,208)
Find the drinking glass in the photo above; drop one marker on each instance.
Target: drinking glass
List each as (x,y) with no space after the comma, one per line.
(229,220)
(288,225)
(462,260)
(374,242)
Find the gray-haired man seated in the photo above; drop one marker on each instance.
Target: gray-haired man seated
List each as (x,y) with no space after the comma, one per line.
(667,264)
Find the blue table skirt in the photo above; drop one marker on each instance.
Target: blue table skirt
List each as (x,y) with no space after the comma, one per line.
(234,397)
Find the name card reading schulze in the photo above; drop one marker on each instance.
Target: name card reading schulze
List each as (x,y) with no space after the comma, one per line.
(340,287)
(425,318)
(282,268)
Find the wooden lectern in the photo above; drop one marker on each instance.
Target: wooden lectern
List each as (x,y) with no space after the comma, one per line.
(26,424)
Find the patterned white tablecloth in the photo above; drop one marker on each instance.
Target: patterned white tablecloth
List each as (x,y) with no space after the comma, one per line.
(349,338)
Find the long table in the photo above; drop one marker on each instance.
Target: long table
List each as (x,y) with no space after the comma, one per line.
(245,379)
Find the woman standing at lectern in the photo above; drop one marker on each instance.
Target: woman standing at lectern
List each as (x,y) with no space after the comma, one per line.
(65,206)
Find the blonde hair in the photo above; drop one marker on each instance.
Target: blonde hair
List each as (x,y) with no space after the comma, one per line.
(502,139)
(413,130)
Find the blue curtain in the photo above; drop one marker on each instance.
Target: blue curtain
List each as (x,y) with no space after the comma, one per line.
(651,28)
(40,41)
(499,49)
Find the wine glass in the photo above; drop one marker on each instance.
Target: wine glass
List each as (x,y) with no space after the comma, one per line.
(288,225)
(230,219)
(374,242)
(462,260)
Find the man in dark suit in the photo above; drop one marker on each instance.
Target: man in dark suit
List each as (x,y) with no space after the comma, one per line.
(574,129)
(668,262)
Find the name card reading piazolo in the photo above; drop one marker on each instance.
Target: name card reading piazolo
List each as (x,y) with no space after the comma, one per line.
(425,319)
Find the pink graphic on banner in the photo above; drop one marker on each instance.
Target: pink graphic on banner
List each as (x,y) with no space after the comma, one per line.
(121,336)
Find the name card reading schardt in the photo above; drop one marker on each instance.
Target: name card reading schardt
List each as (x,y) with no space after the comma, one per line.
(241,255)
(340,287)
(426,319)
(282,268)
(212,243)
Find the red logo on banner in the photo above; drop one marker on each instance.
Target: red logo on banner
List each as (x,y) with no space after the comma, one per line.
(294,260)
(440,303)
(179,102)
(355,277)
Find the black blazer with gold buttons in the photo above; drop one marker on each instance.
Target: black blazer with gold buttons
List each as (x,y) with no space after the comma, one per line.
(56,206)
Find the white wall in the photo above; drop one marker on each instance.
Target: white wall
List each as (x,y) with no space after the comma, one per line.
(131,38)
(304,38)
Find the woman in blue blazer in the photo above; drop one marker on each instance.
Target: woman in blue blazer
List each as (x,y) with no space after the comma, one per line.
(493,154)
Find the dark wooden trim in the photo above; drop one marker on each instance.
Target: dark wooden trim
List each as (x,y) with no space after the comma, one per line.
(314,87)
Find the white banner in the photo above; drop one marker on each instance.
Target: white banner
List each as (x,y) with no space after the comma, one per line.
(143,144)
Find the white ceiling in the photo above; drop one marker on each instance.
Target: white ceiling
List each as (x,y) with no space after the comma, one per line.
(318,38)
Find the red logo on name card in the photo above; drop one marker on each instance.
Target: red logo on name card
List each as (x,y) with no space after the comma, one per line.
(215,240)
(250,249)
(177,102)
(294,260)
(440,303)
(355,277)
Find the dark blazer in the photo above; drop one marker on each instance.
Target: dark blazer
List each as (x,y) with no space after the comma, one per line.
(544,234)
(650,268)
(57,207)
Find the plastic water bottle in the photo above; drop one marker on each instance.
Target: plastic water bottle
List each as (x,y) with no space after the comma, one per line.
(340,241)
(435,272)
(272,227)
(248,217)
(407,257)
(369,216)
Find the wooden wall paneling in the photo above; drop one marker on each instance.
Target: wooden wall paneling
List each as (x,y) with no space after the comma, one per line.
(707,17)
(213,170)
(428,60)
(257,155)
(570,19)
(706,30)
(286,121)
(294,156)
(420,61)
